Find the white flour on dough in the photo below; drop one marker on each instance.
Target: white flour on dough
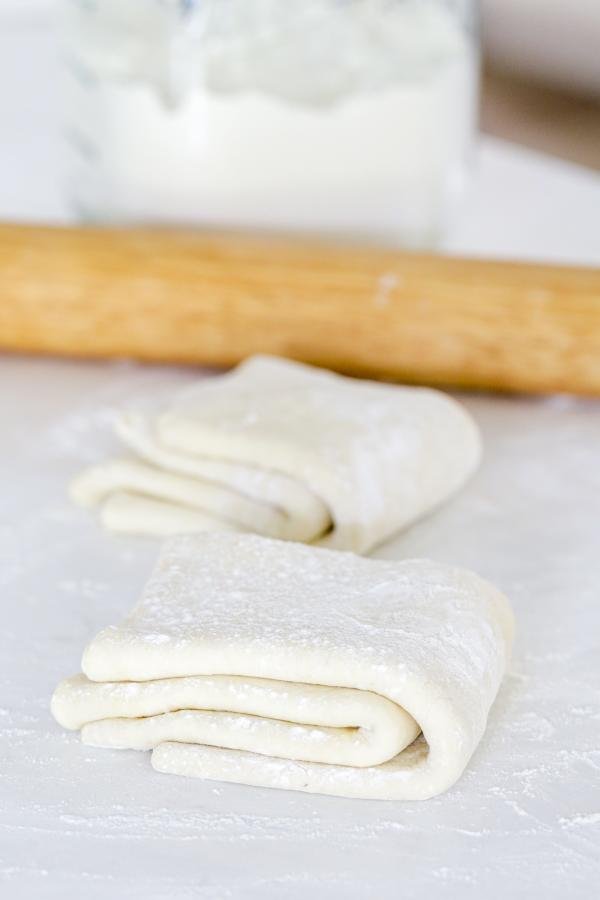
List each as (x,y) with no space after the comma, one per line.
(289,452)
(275,664)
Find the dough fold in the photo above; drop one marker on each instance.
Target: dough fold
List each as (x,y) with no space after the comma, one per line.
(276,664)
(289,452)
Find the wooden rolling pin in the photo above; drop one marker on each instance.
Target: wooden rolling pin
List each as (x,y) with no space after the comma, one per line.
(192,297)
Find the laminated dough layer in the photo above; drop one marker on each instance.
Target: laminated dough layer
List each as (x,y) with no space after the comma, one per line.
(286,451)
(282,665)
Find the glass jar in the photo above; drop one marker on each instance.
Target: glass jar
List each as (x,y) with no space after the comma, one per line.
(348,118)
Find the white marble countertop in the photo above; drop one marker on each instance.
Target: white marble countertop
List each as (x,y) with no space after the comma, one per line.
(525,819)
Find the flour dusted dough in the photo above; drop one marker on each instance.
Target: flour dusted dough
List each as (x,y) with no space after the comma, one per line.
(286,451)
(277,664)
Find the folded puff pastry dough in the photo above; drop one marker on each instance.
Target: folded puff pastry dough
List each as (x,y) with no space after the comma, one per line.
(277,664)
(286,451)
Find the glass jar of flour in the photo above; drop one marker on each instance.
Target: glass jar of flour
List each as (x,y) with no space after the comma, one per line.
(347,118)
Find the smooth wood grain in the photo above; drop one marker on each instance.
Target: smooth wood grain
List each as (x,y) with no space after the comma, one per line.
(191,297)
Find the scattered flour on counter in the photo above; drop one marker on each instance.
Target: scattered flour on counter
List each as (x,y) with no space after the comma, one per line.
(580,820)
(522,822)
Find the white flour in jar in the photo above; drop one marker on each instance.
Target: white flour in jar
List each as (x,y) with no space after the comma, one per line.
(344,119)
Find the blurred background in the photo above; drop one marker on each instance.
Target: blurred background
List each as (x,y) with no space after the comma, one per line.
(131,158)
(541,84)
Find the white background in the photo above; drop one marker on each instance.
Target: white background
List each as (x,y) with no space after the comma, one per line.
(77,822)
